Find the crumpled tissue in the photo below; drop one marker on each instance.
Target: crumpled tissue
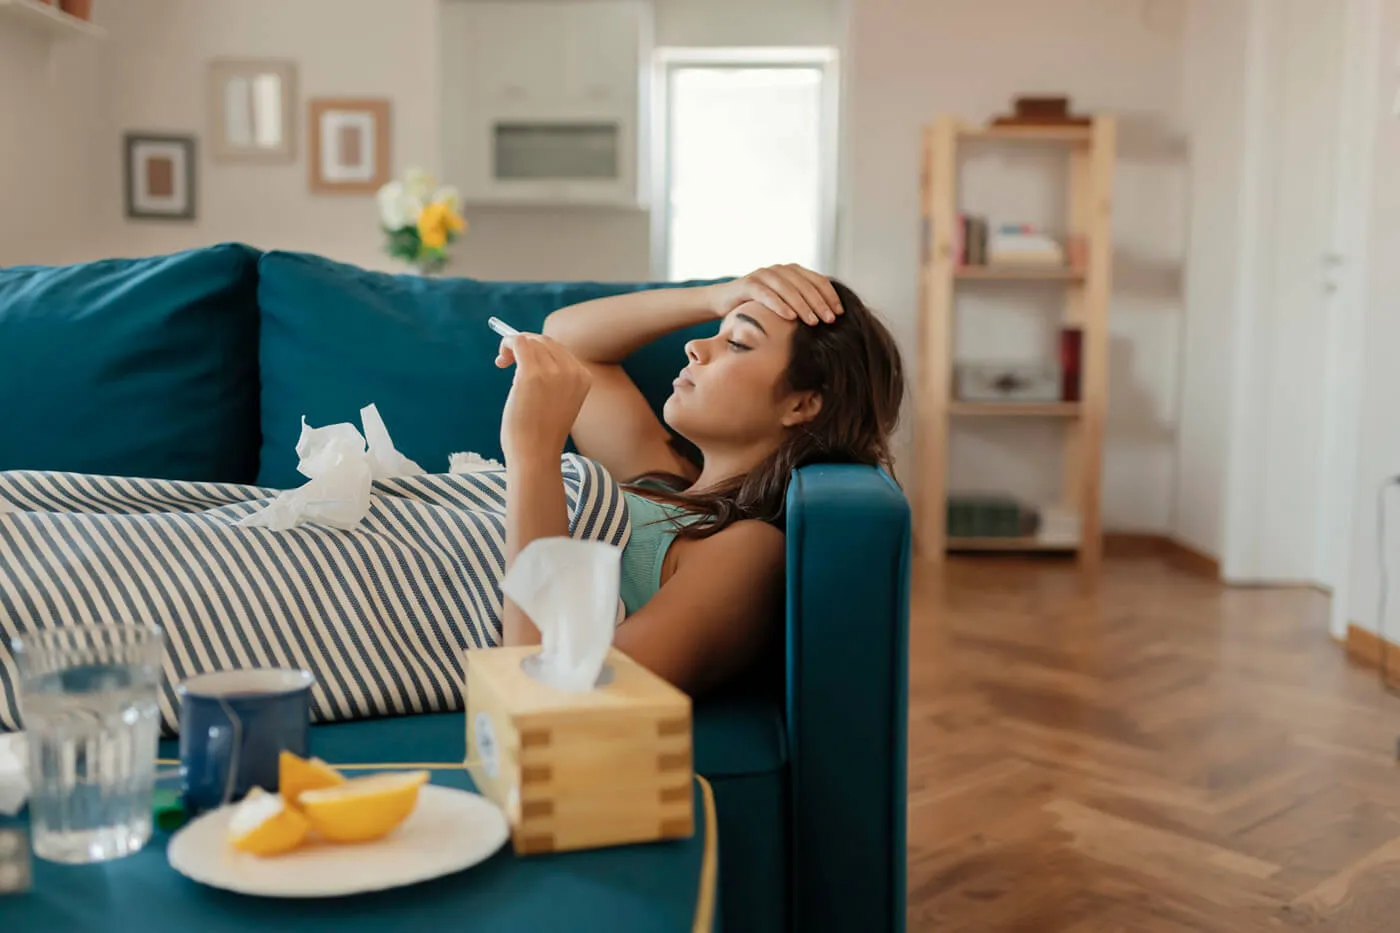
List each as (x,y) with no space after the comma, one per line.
(14,773)
(569,589)
(465,462)
(341,467)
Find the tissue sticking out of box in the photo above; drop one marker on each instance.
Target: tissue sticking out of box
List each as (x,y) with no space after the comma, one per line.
(341,469)
(569,589)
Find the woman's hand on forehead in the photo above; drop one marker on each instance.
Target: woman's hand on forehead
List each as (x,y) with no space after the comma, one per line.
(790,291)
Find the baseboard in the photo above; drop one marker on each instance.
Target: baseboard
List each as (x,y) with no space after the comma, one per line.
(1367,649)
(1182,556)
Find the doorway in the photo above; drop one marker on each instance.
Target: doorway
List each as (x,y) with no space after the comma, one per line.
(1285,473)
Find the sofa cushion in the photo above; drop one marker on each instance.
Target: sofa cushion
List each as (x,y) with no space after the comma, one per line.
(336,337)
(133,367)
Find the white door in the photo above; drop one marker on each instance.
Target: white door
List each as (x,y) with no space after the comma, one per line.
(1281,425)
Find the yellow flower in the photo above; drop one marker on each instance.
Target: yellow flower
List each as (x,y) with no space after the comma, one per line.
(436,221)
(433,238)
(432,226)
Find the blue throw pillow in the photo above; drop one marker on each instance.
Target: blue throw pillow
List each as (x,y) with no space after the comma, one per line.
(133,367)
(335,338)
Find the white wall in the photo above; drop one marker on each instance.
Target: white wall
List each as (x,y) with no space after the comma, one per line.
(152,73)
(48,102)
(1379,453)
(154,66)
(1213,97)
(907,62)
(747,22)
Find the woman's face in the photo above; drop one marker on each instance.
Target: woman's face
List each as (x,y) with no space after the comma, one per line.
(729,392)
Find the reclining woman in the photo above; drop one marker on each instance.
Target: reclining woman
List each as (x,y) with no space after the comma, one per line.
(799,372)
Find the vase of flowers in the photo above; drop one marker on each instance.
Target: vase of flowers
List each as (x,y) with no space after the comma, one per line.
(420,220)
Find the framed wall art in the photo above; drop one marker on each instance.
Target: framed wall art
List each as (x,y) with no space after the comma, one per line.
(252,108)
(349,145)
(160,176)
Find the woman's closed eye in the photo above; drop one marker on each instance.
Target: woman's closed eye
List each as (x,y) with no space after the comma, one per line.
(736,346)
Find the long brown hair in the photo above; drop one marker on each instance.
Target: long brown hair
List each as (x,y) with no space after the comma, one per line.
(854,363)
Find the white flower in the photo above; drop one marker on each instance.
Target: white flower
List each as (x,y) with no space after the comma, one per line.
(412,207)
(398,208)
(391,213)
(418,183)
(450,196)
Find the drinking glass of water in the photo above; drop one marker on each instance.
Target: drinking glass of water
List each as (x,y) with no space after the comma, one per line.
(88,701)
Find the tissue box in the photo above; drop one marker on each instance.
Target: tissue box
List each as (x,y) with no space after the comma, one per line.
(580,770)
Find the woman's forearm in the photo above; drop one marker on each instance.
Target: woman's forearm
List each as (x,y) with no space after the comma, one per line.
(535,508)
(608,330)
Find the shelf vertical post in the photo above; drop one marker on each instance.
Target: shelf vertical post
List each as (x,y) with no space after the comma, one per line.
(937,259)
(1098,284)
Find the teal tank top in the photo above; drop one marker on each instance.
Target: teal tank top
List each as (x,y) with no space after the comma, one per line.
(654,526)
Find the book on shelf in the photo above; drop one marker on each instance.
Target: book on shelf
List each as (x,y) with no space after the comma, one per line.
(970,244)
(975,243)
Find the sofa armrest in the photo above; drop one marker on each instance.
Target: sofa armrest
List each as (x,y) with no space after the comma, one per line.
(848,564)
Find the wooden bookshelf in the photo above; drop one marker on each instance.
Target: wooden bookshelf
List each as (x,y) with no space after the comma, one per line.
(1014,409)
(1092,158)
(1020,273)
(1054,135)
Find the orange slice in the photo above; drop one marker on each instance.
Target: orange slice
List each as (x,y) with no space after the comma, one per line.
(363,808)
(295,775)
(265,825)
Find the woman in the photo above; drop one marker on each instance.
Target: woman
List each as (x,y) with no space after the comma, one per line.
(799,372)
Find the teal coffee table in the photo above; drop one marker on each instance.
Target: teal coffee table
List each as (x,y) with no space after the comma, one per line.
(666,886)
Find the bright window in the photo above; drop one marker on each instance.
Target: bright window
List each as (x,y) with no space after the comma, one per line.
(747,167)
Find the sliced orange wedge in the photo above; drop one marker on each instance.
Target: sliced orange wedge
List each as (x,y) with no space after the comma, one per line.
(363,808)
(264,824)
(295,775)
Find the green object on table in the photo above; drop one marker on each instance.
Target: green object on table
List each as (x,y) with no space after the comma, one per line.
(170,812)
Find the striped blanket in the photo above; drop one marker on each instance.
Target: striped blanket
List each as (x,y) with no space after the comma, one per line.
(380,615)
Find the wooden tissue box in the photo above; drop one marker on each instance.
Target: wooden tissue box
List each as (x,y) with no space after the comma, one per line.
(580,770)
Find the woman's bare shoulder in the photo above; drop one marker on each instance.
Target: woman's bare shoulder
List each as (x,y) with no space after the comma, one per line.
(749,538)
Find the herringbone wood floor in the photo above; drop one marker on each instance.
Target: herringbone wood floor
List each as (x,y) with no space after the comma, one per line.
(1154,753)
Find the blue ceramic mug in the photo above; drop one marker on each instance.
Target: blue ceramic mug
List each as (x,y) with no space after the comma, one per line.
(233,727)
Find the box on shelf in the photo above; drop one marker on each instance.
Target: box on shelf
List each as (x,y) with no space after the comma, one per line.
(1008,382)
(580,770)
(1024,245)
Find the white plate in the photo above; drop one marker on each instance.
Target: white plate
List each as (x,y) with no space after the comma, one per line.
(448,831)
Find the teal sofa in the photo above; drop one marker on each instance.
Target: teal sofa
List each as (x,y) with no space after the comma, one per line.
(200,366)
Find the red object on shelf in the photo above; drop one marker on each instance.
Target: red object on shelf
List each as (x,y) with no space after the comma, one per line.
(1071,352)
(82,9)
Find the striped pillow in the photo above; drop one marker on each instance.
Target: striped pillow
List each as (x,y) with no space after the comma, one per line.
(380,615)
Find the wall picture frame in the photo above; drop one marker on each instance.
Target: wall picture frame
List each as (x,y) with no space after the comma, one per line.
(348,140)
(252,109)
(160,177)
